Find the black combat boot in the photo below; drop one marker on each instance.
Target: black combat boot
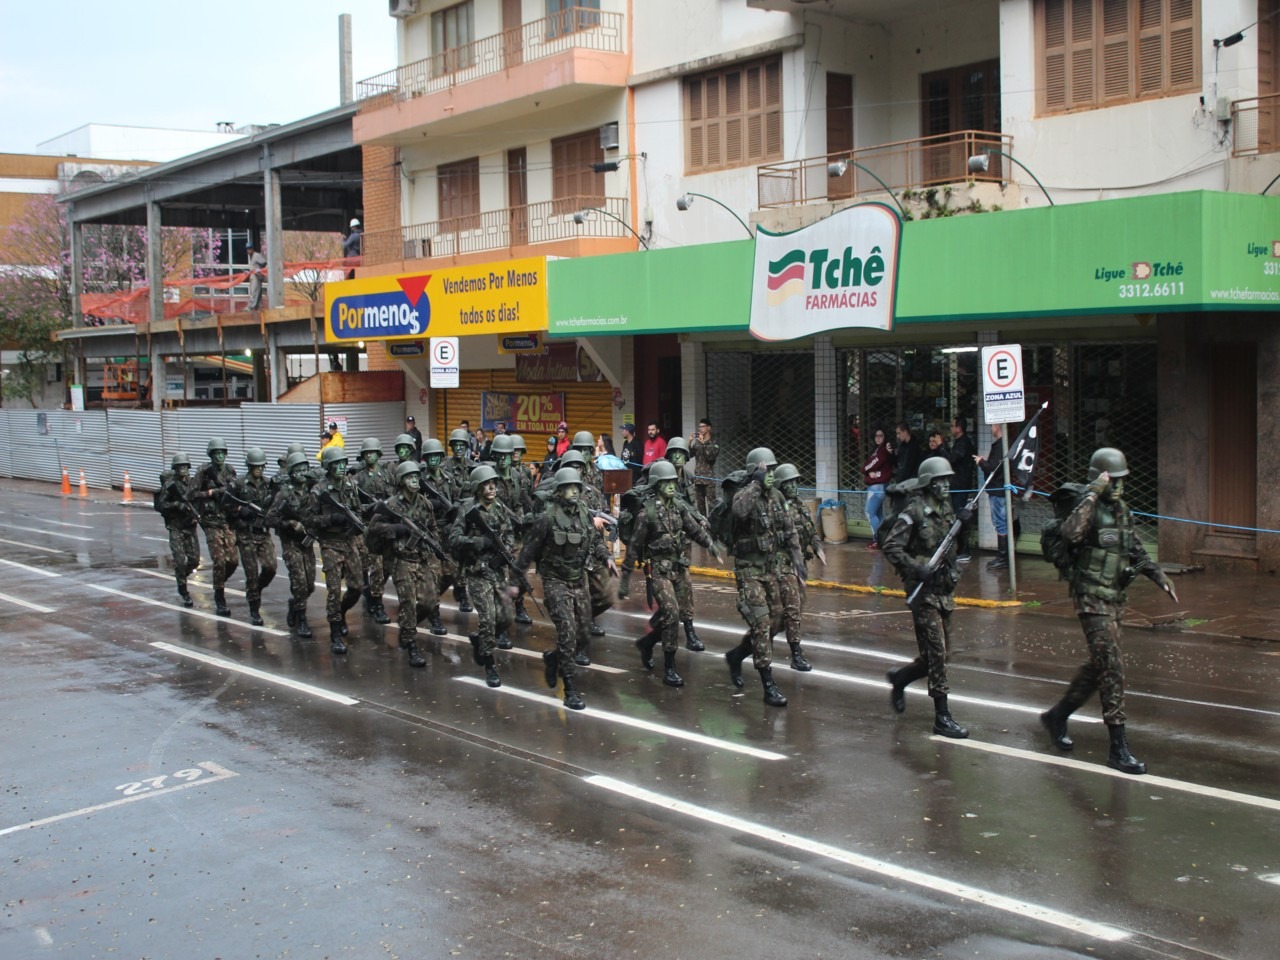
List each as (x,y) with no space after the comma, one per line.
(437,625)
(291,618)
(1120,758)
(475,649)
(186,597)
(645,645)
(550,667)
(581,657)
(572,698)
(798,662)
(624,582)
(491,672)
(220,603)
(943,725)
(264,578)
(772,695)
(898,679)
(304,628)
(691,641)
(1055,721)
(336,645)
(255,614)
(522,615)
(380,612)
(416,659)
(596,630)
(670,677)
(503,642)
(460,594)
(735,657)
(1001,560)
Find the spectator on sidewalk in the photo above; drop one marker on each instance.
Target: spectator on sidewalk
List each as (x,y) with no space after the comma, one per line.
(964,483)
(876,472)
(655,445)
(907,455)
(631,452)
(995,493)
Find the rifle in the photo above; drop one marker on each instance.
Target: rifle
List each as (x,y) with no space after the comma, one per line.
(608,518)
(504,554)
(308,538)
(327,494)
(417,533)
(228,495)
(178,492)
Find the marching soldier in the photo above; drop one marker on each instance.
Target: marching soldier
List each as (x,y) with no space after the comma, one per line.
(511,495)
(288,515)
(372,485)
(180,519)
(408,522)
(1107,555)
(560,541)
(247,500)
(482,536)
(604,588)
(663,530)
(761,532)
(333,509)
(206,492)
(585,444)
(678,454)
(787,477)
(458,469)
(914,537)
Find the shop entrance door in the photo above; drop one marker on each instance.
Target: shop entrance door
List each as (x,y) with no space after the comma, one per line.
(1233,458)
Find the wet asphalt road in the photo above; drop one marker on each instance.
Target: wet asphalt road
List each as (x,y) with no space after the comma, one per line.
(153,804)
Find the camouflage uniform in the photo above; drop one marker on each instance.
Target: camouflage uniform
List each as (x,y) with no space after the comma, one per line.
(484,570)
(338,551)
(206,488)
(704,454)
(411,568)
(180,520)
(661,539)
(288,516)
(257,551)
(762,531)
(790,584)
(372,486)
(436,487)
(458,473)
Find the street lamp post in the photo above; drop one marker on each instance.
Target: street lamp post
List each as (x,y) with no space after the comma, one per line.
(981,162)
(685,202)
(580,217)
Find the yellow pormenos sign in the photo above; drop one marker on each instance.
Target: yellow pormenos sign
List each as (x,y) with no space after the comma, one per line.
(506,297)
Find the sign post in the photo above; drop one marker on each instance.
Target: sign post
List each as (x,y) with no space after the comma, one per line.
(1003,401)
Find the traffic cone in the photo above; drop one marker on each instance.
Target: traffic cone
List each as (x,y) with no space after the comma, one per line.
(128,488)
(84,487)
(66,483)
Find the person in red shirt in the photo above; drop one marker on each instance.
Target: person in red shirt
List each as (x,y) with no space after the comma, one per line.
(877,472)
(655,447)
(562,439)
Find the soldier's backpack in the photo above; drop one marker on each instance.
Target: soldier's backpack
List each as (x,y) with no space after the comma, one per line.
(629,509)
(1053,547)
(896,498)
(721,518)
(164,482)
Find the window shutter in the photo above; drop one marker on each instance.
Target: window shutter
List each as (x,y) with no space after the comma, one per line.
(1117,74)
(734,116)
(1083,43)
(755,137)
(1183,71)
(733,141)
(1054,40)
(733,94)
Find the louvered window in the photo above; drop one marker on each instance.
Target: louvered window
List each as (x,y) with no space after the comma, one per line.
(733,117)
(1097,53)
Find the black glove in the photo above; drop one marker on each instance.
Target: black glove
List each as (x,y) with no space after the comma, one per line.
(247,513)
(964,514)
(759,473)
(919,571)
(400,529)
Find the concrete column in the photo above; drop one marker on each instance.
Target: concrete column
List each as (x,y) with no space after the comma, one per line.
(826,418)
(157,376)
(627,364)
(693,384)
(275,233)
(346,85)
(77,266)
(155,264)
(279,365)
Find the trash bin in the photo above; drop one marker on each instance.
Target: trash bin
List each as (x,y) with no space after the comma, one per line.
(835,526)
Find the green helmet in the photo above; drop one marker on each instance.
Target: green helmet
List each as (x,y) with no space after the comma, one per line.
(295,448)
(405,439)
(404,469)
(568,475)
(429,447)
(518,442)
(661,470)
(784,472)
(295,458)
(373,444)
(677,443)
(332,454)
(934,468)
(482,474)
(255,457)
(180,460)
(583,438)
(216,443)
(1109,459)
(459,436)
(502,443)
(761,455)
(572,457)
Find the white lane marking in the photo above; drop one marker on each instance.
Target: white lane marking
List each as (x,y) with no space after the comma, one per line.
(219,773)
(190,581)
(624,720)
(58,523)
(963,891)
(156,539)
(32,546)
(189,612)
(40,570)
(1270,878)
(519,651)
(861,651)
(30,606)
(50,533)
(254,672)
(1143,780)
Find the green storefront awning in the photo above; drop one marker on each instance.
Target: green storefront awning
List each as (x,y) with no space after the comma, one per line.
(1197,251)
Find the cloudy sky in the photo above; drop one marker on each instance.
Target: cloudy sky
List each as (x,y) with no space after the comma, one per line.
(174,63)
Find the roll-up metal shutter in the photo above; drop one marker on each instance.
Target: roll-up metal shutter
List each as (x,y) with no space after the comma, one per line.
(273,426)
(6,446)
(189,430)
(588,406)
(74,439)
(382,420)
(136,446)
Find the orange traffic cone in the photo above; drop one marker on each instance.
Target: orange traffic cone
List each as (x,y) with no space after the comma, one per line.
(66,483)
(84,487)
(128,488)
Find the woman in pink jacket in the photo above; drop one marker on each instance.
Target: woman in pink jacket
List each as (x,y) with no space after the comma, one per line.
(876,472)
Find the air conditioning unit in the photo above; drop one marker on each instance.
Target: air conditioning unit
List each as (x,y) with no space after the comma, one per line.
(403,8)
(609,136)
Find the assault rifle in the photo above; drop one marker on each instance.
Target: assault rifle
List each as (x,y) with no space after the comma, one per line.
(228,495)
(308,538)
(608,518)
(416,534)
(176,486)
(352,517)
(503,553)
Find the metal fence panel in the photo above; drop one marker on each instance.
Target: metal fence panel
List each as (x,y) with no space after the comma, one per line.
(42,442)
(6,445)
(137,447)
(382,420)
(189,430)
(273,426)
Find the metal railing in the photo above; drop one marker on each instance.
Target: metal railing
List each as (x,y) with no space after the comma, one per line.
(902,165)
(498,229)
(1255,123)
(573,28)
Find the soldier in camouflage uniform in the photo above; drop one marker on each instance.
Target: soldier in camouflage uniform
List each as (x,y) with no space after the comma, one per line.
(762,531)
(457,468)
(1107,556)
(663,531)
(330,509)
(787,477)
(288,516)
(585,444)
(180,519)
(206,494)
(603,588)
(914,537)
(372,485)
(521,470)
(482,537)
(401,520)
(435,485)
(678,455)
(247,500)
(561,540)
(705,452)
(511,493)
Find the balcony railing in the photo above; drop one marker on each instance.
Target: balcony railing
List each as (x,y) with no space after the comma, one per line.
(498,229)
(573,28)
(1256,125)
(906,164)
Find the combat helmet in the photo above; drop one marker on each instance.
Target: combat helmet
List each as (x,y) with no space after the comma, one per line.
(295,458)
(216,443)
(661,470)
(295,447)
(677,443)
(584,438)
(332,454)
(1109,459)
(459,436)
(571,457)
(430,447)
(373,445)
(482,475)
(518,443)
(567,475)
(405,440)
(255,457)
(404,469)
(761,455)
(179,460)
(933,469)
(785,472)
(502,443)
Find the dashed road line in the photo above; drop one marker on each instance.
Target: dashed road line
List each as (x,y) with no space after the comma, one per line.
(51,533)
(186,610)
(25,603)
(234,667)
(40,570)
